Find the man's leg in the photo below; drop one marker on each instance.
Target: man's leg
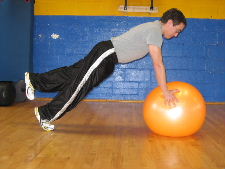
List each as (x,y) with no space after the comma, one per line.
(98,65)
(53,81)
(57,79)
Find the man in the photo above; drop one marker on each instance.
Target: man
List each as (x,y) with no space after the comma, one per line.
(74,82)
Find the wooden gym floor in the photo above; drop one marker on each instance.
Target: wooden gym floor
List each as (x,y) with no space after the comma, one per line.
(106,135)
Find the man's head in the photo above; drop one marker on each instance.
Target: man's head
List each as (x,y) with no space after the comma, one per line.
(173,22)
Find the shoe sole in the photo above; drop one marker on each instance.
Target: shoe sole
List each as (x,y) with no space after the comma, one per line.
(28,87)
(46,128)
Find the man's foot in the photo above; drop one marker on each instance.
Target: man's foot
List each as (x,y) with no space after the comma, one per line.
(29,87)
(44,123)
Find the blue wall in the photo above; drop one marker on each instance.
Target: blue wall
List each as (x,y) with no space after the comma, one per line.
(197,56)
(16,18)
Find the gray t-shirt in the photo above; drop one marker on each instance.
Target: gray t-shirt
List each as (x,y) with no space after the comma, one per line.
(133,44)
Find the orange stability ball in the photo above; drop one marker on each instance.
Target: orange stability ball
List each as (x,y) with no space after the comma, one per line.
(184,119)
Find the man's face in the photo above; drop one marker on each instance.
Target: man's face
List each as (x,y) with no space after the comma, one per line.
(171,31)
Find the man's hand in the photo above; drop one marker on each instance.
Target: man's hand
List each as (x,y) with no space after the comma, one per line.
(170,98)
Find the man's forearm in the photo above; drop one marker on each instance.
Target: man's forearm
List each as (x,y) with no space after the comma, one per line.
(161,76)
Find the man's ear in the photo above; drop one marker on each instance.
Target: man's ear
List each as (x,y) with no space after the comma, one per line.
(170,22)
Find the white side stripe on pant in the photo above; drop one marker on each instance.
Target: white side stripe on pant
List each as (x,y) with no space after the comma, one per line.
(83,81)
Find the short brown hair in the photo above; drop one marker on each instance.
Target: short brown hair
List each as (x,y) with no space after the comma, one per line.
(175,15)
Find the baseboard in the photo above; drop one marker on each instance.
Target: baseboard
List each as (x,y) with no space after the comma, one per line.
(123,101)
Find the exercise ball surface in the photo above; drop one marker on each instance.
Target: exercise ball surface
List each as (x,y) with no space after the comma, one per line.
(7,93)
(185,119)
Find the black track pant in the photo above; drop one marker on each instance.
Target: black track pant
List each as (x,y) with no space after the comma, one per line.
(74,82)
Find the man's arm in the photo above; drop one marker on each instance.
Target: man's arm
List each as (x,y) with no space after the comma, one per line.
(156,55)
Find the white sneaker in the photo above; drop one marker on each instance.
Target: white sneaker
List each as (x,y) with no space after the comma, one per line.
(44,123)
(29,87)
